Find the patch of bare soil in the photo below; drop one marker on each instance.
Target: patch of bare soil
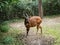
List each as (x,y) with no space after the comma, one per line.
(34,39)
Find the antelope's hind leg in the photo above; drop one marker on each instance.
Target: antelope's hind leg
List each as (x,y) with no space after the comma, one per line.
(41,29)
(37,29)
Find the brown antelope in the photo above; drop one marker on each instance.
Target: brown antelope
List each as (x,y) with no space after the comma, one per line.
(32,22)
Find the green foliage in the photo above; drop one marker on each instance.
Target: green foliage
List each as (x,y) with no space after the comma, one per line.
(6,9)
(4,27)
(15,8)
(8,40)
(51,7)
(10,9)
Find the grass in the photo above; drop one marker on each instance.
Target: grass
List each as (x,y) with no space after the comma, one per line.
(8,36)
(52,16)
(53,31)
(15,20)
(4,28)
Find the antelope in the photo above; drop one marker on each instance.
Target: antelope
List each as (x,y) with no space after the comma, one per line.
(32,22)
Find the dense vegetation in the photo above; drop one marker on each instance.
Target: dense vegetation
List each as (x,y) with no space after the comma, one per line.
(15,8)
(10,9)
(51,7)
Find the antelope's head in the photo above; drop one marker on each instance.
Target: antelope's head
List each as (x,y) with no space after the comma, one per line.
(26,17)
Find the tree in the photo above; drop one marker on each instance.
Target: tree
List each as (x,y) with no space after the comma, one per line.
(40,8)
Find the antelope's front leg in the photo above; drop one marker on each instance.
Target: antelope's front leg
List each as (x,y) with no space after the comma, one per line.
(27,31)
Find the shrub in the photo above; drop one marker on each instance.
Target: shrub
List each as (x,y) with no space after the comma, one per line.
(8,40)
(4,28)
(51,7)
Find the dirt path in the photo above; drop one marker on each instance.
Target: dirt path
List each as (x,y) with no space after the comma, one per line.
(34,39)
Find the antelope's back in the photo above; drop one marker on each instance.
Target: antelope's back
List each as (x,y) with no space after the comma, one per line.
(34,20)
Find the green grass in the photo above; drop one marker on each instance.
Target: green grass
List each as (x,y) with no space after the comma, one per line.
(8,35)
(8,40)
(15,20)
(54,31)
(52,16)
(4,27)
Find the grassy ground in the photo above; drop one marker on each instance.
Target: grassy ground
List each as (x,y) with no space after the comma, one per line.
(16,30)
(10,37)
(54,31)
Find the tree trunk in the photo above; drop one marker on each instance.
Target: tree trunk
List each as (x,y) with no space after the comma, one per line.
(40,9)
